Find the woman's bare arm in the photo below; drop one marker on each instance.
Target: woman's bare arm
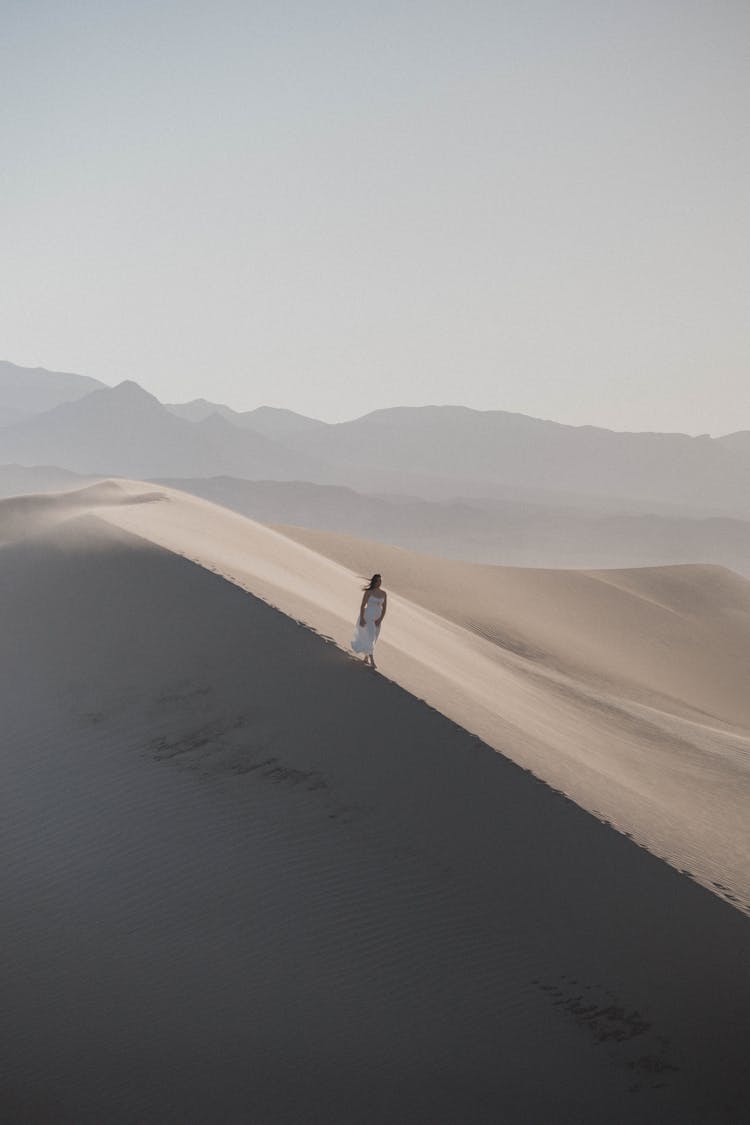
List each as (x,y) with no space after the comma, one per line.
(362,608)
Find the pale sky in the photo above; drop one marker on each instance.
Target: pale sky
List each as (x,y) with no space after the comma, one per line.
(335,207)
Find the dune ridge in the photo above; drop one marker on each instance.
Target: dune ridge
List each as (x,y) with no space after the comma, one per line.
(21,516)
(653,740)
(245,879)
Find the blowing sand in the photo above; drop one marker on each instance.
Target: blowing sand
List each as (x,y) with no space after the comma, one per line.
(250,881)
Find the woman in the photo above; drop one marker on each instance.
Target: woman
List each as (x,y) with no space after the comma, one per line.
(371,614)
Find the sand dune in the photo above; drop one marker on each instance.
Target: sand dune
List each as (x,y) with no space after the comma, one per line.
(22,516)
(633,707)
(22,480)
(677,637)
(626,689)
(249,880)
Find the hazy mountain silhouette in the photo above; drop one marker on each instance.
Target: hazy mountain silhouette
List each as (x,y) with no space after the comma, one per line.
(432,452)
(476,449)
(198,409)
(738,442)
(25,391)
(126,431)
(271,421)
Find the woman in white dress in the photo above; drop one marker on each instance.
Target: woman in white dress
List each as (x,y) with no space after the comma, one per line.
(371,614)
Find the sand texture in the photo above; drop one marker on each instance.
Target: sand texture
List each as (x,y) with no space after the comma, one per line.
(246,880)
(625,690)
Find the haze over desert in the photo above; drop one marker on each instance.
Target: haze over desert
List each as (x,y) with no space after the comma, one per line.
(375,563)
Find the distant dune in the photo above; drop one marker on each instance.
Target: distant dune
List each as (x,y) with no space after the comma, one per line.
(502,532)
(505,532)
(247,879)
(23,480)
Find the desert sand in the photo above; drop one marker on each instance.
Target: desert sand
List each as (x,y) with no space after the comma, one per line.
(625,690)
(249,880)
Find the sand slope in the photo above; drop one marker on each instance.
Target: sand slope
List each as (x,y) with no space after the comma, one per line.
(626,690)
(677,637)
(246,880)
(24,516)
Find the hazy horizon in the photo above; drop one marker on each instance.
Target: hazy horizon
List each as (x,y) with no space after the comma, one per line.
(532,208)
(354,417)
(206,397)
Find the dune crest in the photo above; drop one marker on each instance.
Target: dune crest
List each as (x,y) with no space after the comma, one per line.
(21,516)
(609,686)
(623,689)
(227,841)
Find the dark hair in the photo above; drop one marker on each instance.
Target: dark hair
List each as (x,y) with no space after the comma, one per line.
(371,584)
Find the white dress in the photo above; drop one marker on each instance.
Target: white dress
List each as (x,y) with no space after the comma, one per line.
(365,635)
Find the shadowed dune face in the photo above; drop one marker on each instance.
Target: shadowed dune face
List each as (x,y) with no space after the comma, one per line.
(629,704)
(249,881)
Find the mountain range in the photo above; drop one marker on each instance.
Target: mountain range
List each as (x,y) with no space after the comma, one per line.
(431,452)
(25,391)
(125,431)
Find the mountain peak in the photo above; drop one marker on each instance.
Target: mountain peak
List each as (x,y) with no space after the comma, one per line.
(204,403)
(130,391)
